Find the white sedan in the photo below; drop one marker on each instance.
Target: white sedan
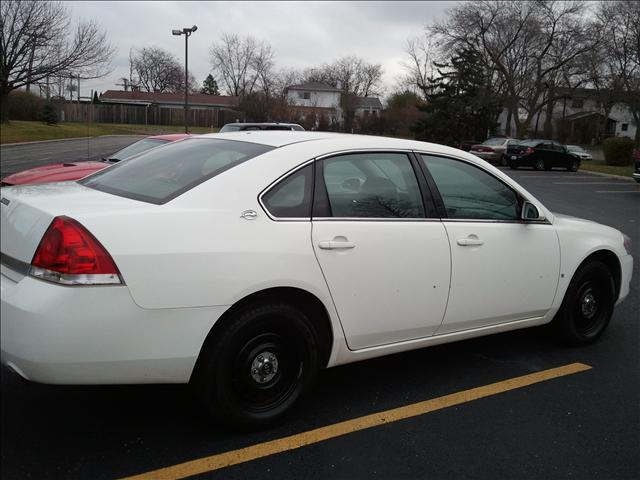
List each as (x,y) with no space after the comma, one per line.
(245,262)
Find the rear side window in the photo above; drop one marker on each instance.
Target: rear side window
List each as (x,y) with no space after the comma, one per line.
(165,173)
(372,185)
(291,198)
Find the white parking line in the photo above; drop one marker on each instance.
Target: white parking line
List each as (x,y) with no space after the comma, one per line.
(617,191)
(624,184)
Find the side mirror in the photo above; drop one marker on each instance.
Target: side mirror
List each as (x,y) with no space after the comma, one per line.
(530,212)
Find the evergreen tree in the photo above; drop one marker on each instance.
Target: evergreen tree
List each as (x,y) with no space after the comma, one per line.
(460,106)
(95,99)
(210,86)
(49,114)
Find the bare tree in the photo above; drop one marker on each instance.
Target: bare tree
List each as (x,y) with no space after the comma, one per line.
(419,67)
(616,71)
(157,70)
(240,62)
(531,45)
(351,74)
(38,42)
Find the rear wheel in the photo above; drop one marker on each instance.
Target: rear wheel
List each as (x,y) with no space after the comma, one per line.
(259,366)
(587,306)
(503,161)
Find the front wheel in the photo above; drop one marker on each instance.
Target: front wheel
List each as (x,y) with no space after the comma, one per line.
(587,306)
(574,166)
(259,366)
(539,165)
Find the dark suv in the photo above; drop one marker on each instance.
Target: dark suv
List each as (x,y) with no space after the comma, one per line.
(238,127)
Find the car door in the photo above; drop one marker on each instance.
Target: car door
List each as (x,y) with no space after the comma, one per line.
(387,265)
(503,269)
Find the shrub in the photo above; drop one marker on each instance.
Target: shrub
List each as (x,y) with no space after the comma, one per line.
(49,114)
(618,151)
(24,105)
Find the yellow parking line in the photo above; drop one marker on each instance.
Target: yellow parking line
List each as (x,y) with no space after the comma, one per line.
(242,455)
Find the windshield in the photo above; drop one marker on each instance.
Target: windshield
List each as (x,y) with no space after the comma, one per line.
(162,174)
(530,143)
(136,148)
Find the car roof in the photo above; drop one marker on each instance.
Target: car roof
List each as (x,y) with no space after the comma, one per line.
(249,124)
(335,141)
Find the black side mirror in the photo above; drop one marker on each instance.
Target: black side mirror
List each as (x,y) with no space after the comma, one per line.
(530,212)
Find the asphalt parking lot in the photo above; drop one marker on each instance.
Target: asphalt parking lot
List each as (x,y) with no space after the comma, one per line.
(28,155)
(575,422)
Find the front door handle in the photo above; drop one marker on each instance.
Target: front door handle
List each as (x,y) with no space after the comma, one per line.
(335,244)
(471,240)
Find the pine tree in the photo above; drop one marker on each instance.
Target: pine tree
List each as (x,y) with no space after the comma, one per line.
(210,86)
(461,106)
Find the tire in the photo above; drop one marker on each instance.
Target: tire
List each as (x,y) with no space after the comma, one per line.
(587,306)
(258,367)
(503,161)
(573,167)
(539,165)
(513,166)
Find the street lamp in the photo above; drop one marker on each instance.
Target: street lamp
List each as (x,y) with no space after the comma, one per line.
(186,32)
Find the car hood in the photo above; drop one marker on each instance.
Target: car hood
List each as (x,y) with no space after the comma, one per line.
(56,172)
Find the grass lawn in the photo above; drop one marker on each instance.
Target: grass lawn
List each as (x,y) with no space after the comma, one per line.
(600,166)
(19,131)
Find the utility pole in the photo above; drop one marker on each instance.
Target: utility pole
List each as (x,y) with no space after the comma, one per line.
(187,33)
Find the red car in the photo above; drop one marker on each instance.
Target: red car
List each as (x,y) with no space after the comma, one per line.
(62,172)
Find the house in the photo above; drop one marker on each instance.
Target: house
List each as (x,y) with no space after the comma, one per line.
(168,100)
(368,106)
(579,116)
(317,99)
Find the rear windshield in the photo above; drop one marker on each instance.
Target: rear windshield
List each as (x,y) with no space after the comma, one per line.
(136,148)
(494,141)
(229,128)
(163,174)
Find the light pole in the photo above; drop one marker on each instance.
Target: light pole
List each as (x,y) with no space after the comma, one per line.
(186,32)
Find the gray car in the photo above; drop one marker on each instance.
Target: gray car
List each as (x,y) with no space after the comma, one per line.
(494,149)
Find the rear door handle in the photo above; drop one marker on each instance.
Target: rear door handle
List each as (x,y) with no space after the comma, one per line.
(335,245)
(471,240)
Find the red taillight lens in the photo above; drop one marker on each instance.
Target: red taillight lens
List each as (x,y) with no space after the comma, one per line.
(69,254)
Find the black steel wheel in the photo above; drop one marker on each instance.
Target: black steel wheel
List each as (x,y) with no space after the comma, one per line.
(588,304)
(259,366)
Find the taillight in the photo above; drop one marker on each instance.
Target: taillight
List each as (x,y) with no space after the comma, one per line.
(528,151)
(70,255)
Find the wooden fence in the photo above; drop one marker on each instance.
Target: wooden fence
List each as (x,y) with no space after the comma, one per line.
(148,115)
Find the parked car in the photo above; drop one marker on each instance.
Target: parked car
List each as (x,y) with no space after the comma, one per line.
(636,173)
(541,154)
(240,127)
(494,149)
(245,262)
(67,171)
(466,145)
(579,152)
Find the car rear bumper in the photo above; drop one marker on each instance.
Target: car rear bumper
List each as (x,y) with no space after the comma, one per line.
(96,335)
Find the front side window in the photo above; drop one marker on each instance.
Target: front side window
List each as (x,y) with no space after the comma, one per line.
(372,185)
(291,197)
(469,192)
(162,174)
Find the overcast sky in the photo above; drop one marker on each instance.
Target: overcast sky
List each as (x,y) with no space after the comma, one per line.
(303,34)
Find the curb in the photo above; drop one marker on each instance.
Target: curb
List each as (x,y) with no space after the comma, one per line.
(5,145)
